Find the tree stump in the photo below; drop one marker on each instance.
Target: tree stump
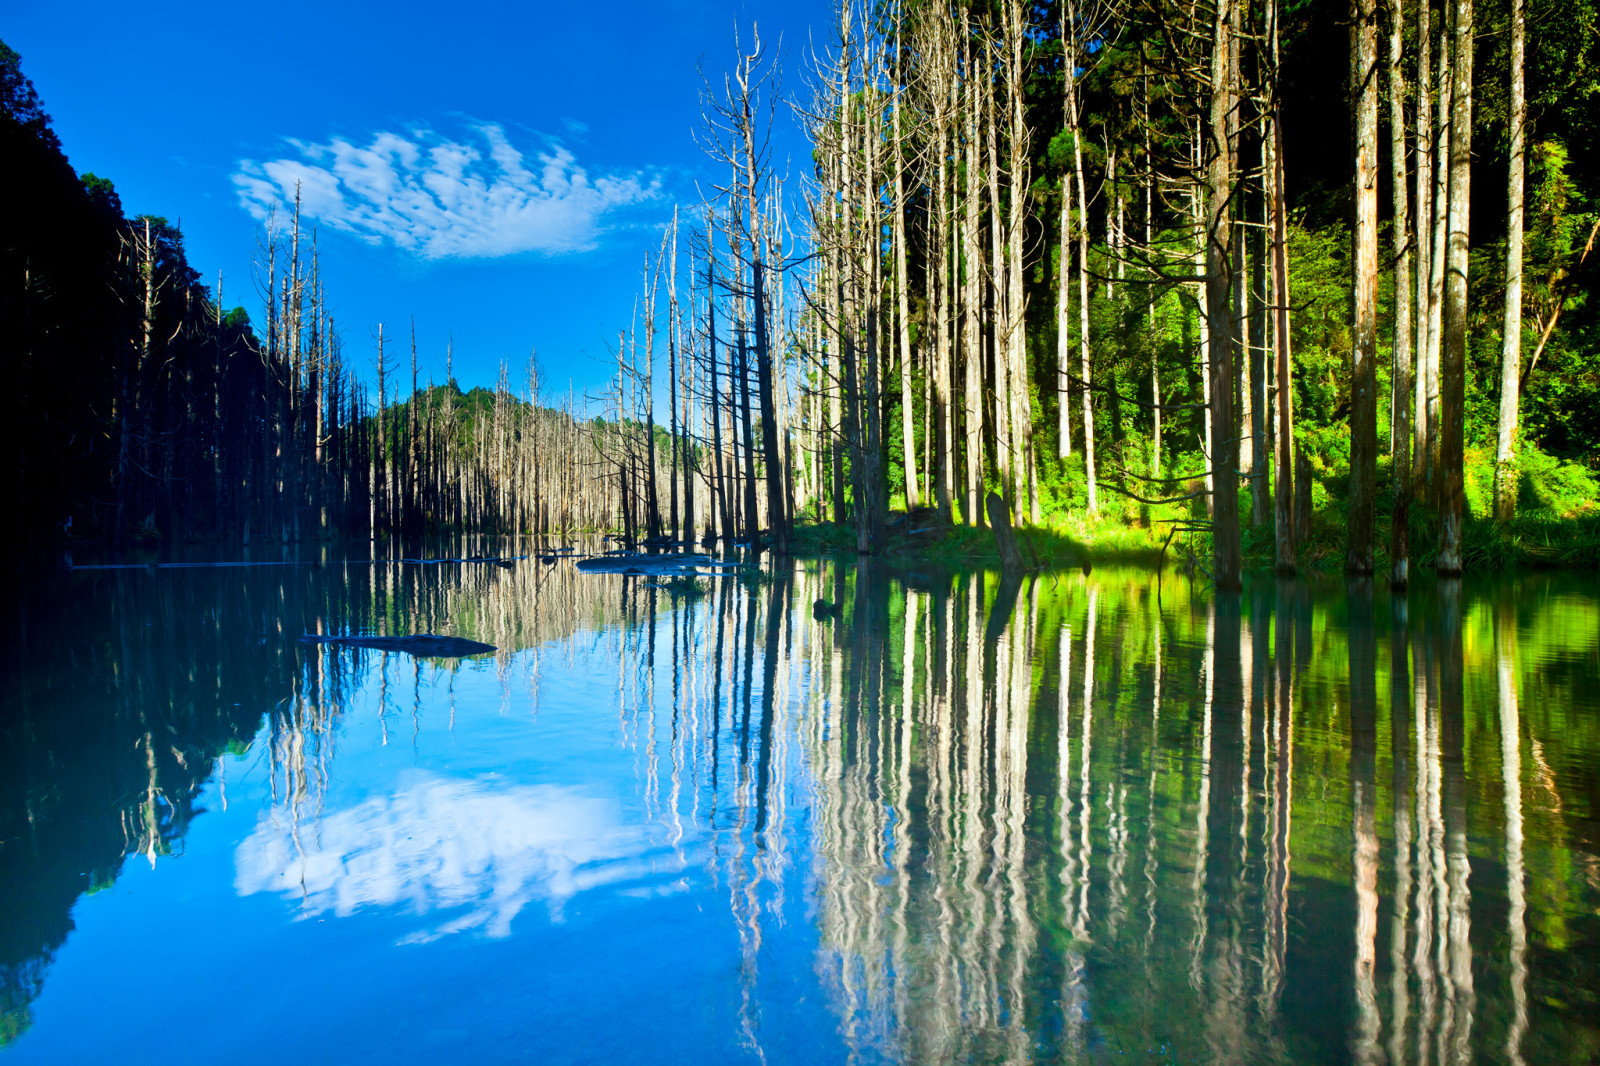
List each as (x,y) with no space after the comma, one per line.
(1004,538)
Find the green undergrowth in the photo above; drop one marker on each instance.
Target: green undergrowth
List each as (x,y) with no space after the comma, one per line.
(1557,525)
(1047,547)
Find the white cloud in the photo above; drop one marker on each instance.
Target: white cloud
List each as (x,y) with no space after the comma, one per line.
(444,199)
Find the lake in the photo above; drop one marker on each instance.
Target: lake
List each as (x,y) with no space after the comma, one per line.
(944,817)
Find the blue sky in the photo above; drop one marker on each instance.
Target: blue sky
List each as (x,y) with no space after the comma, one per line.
(496,170)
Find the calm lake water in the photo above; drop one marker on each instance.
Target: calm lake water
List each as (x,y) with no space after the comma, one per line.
(1067,818)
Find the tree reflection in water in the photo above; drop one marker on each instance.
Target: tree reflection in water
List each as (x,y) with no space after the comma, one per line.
(1016,819)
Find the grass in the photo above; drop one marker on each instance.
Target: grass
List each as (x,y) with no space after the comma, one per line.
(1528,541)
(1049,547)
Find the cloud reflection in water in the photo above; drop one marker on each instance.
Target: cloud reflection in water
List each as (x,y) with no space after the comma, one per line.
(442,843)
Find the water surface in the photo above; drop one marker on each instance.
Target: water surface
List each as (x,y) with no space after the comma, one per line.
(963,818)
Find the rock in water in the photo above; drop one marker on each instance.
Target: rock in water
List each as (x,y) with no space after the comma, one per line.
(422,645)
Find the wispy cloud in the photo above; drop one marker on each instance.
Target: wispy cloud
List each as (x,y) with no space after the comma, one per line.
(441,198)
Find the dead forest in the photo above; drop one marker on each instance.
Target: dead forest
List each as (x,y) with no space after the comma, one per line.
(1084,257)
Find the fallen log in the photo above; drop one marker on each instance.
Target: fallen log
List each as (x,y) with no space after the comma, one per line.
(422,645)
(635,563)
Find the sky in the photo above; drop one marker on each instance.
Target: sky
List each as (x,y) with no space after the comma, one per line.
(495,172)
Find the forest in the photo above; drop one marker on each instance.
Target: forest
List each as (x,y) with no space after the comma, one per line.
(1300,284)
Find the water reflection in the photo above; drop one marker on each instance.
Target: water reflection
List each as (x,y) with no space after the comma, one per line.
(988,818)
(437,845)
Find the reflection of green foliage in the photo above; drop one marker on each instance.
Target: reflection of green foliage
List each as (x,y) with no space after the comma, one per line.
(14,1022)
(686,586)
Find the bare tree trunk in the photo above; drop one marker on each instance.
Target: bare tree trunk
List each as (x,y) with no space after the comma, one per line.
(1064,322)
(1505,458)
(871,501)
(1364,351)
(1436,298)
(1283,498)
(1220,167)
(1453,338)
(1404,328)
(382,493)
(1000,331)
(1025,479)
(941,277)
(902,282)
(1422,240)
(673,459)
(1155,328)
(1260,406)
(752,518)
(940,244)
(717,468)
(652,503)
(973,319)
(1075,128)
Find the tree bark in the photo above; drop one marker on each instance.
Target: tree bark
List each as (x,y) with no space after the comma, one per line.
(1220,148)
(1074,49)
(1505,459)
(1283,499)
(1404,329)
(1364,351)
(902,283)
(1438,261)
(1422,240)
(1004,538)
(972,321)
(1453,338)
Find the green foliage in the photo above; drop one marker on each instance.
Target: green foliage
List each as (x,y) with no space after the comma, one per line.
(1552,488)
(19,100)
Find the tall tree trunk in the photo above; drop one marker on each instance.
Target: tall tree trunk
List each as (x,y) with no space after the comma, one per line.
(382,489)
(902,285)
(1422,240)
(941,262)
(1025,479)
(1075,127)
(1364,350)
(1284,461)
(1404,329)
(1260,408)
(1453,338)
(871,501)
(1505,456)
(972,321)
(673,458)
(1064,320)
(1151,312)
(1439,259)
(1220,166)
(1000,323)
(652,502)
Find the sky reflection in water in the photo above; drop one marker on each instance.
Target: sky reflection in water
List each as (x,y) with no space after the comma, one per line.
(970,819)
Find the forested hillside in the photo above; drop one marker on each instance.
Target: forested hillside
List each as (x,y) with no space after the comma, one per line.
(139,410)
(1309,280)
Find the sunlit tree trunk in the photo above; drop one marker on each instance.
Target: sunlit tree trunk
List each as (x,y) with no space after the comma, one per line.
(1364,349)
(1064,321)
(1453,338)
(1505,456)
(1220,166)
(902,285)
(1024,477)
(1404,328)
(1438,260)
(1075,128)
(941,270)
(972,322)
(1422,240)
